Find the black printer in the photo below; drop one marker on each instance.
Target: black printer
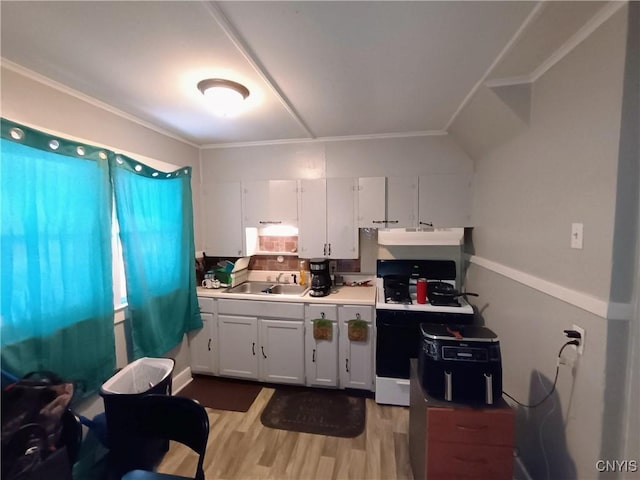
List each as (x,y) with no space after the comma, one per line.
(460,363)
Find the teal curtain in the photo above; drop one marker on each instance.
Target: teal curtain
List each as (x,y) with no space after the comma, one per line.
(56,309)
(155,216)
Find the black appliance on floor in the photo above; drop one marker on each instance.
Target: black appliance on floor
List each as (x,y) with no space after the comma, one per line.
(460,363)
(398,319)
(320,277)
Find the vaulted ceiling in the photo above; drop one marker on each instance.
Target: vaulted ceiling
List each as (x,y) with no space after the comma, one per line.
(314,69)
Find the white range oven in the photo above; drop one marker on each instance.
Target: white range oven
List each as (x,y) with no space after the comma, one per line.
(399,315)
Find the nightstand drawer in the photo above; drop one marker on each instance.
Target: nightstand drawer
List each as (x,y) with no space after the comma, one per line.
(452,461)
(488,426)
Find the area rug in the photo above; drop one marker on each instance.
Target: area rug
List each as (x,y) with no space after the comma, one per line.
(222,393)
(323,412)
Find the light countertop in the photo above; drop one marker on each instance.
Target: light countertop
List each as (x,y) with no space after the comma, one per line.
(339,295)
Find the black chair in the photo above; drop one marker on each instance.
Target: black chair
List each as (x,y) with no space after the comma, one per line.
(172,418)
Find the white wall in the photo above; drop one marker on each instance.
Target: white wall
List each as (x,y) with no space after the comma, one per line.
(33,103)
(532,181)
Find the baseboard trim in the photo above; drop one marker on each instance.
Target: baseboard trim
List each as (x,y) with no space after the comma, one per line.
(589,303)
(181,380)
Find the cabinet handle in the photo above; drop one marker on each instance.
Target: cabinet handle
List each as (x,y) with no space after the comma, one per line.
(324,250)
(262,348)
(329,249)
(392,221)
(481,461)
(379,221)
(346,364)
(268,222)
(474,428)
(253,348)
(313,359)
(209,345)
(428,224)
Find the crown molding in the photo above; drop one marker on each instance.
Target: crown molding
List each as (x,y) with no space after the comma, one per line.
(508,81)
(19,69)
(345,138)
(604,14)
(506,49)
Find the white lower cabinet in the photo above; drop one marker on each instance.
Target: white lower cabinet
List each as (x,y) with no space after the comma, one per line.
(281,355)
(261,340)
(356,357)
(274,342)
(238,337)
(321,360)
(203,343)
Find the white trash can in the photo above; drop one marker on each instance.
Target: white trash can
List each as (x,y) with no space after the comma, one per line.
(141,377)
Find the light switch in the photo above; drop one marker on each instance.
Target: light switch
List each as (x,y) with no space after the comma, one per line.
(576,235)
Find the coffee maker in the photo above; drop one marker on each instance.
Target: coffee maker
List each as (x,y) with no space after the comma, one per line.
(320,278)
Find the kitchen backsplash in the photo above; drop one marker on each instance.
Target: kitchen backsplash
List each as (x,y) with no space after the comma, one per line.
(278,244)
(274,247)
(270,262)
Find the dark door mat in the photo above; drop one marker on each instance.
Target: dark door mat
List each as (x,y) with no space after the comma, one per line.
(222,393)
(323,412)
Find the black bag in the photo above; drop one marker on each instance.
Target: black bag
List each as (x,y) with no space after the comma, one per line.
(32,410)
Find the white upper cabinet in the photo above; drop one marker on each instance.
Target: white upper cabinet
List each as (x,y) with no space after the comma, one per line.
(402,202)
(270,202)
(222,219)
(328,226)
(390,202)
(445,200)
(372,208)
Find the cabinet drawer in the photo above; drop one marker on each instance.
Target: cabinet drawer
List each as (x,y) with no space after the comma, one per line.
(479,426)
(351,312)
(262,309)
(487,462)
(330,312)
(206,304)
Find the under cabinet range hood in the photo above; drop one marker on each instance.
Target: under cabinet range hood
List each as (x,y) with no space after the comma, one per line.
(416,236)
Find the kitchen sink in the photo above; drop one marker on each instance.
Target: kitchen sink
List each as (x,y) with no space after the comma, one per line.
(269,288)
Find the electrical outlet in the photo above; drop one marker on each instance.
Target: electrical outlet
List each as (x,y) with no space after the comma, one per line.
(580,330)
(333,265)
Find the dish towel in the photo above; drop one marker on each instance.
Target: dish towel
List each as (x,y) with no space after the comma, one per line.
(357,330)
(322,329)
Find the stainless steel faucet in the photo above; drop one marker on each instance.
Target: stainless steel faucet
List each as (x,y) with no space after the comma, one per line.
(278,277)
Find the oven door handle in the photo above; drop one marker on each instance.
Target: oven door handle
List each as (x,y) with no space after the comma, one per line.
(402,382)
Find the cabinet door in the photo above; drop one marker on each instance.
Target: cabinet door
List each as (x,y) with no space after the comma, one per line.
(356,357)
(203,346)
(372,210)
(321,355)
(402,202)
(270,202)
(238,346)
(282,351)
(342,230)
(222,219)
(312,232)
(445,200)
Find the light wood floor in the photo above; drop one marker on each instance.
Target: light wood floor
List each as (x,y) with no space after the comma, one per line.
(240,447)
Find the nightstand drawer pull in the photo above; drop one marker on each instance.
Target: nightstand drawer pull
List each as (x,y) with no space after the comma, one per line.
(478,461)
(474,428)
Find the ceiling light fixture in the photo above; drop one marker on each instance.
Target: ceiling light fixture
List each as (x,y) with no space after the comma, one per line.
(226,96)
